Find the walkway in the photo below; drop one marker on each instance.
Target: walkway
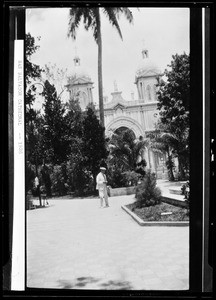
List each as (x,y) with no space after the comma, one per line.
(76,245)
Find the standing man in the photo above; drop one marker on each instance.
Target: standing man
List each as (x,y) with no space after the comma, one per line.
(37,186)
(102,187)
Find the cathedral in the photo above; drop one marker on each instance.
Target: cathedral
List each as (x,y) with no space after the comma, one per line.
(138,115)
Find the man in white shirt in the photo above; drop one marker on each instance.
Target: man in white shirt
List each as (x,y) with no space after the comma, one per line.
(37,186)
(102,187)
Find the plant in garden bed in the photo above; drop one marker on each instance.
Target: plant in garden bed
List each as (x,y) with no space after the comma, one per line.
(155,213)
(147,194)
(148,205)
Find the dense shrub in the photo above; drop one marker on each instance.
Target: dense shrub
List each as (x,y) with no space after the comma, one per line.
(140,167)
(46,180)
(116,177)
(147,194)
(29,177)
(132,178)
(59,184)
(79,180)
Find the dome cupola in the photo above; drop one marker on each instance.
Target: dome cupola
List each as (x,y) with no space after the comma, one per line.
(147,67)
(78,72)
(79,84)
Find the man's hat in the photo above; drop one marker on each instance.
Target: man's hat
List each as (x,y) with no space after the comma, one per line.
(102,168)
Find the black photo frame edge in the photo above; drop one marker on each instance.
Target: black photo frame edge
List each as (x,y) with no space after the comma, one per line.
(198,214)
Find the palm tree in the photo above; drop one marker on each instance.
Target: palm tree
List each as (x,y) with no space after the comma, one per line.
(125,149)
(92,20)
(161,142)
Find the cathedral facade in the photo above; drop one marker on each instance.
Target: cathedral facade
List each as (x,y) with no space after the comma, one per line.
(138,115)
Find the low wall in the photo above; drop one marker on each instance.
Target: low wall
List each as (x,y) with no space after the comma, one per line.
(175,202)
(122,191)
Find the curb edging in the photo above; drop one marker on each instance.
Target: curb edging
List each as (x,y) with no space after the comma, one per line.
(153,223)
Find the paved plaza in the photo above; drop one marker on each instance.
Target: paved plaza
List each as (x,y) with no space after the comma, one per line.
(74,244)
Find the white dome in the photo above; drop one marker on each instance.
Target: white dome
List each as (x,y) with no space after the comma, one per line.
(147,67)
(79,72)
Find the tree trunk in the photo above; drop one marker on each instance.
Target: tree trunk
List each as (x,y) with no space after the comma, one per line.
(100,78)
(172,178)
(181,168)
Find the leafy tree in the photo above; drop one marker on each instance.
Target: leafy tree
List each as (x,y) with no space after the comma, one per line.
(32,116)
(56,76)
(125,150)
(92,20)
(74,118)
(125,158)
(55,130)
(32,73)
(160,141)
(45,175)
(30,176)
(147,193)
(94,143)
(173,103)
(58,178)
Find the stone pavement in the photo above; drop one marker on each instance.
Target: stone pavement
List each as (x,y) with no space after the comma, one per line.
(74,244)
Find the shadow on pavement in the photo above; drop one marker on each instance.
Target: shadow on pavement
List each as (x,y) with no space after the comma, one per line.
(116,285)
(79,282)
(82,282)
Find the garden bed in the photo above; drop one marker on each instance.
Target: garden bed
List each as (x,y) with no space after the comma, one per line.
(151,216)
(160,212)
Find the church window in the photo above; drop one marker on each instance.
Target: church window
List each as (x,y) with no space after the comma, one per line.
(149,92)
(141,90)
(84,99)
(154,90)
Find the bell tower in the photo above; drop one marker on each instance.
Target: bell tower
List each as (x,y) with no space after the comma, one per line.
(80,85)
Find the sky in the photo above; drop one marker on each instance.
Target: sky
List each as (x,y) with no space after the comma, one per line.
(163,31)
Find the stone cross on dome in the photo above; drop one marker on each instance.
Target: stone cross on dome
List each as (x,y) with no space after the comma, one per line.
(144,49)
(115,86)
(76,58)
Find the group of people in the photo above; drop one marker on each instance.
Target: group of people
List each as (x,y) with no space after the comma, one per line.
(101,186)
(41,196)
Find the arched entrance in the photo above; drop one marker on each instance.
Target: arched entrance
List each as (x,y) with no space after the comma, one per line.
(120,130)
(125,122)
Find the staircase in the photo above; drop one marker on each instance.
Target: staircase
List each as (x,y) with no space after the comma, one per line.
(171,192)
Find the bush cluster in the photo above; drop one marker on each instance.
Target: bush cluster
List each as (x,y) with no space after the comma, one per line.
(60,180)
(118,178)
(147,194)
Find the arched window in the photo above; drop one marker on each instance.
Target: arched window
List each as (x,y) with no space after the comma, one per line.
(141,90)
(155,92)
(83,100)
(149,92)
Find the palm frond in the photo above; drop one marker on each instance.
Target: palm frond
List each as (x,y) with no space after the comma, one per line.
(110,12)
(167,135)
(128,14)
(75,16)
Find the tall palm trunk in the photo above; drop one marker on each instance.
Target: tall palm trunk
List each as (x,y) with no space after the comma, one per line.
(170,169)
(100,79)
(181,167)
